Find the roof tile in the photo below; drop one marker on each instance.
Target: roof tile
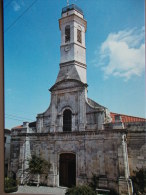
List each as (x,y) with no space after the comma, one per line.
(127,118)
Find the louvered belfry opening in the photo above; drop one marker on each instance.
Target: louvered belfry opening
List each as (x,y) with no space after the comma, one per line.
(67,120)
(79,36)
(67,33)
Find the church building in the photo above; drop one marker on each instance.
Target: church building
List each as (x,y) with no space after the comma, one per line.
(76,135)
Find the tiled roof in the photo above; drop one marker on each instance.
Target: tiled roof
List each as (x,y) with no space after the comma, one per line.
(126,118)
(18,127)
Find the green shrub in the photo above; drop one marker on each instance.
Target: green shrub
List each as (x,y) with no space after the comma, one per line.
(139,181)
(80,190)
(94,184)
(12,189)
(38,165)
(111,192)
(10,185)
(43,184)
(94,181)
(31,184)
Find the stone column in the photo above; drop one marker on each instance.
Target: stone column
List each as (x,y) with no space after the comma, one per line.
(25,155)
(81,164)
(82,111)
(101,156)
(53,178)
(73,122)
(53,113)
(22,162)
(39,123)
(51,175)
(60,119)
(126,164)
(100,121)
(124,182)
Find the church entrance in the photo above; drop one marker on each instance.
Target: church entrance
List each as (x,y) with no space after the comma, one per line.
(67,170)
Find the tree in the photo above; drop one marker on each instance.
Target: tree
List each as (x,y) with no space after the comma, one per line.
(10,185)
(139,181)
(38,166)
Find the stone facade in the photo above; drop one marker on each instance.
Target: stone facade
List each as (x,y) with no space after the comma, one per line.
(136,141)
(84,141)
(102,152)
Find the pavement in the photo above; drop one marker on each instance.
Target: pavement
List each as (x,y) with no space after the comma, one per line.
(41,190)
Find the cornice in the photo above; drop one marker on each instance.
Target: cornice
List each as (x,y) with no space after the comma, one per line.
(73,133)
(67,80)
(73,62)
(73,17)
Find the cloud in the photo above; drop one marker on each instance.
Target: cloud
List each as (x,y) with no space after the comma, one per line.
(17,6)
(122,54)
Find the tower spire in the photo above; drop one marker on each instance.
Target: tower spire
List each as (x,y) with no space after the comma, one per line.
(67,2)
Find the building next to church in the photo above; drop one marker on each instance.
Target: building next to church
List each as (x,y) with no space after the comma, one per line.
(7,142)
(76,135)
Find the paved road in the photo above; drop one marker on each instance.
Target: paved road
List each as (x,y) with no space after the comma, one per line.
(41,190)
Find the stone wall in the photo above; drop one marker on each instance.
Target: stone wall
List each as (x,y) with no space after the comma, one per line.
(99,152)
(136,141)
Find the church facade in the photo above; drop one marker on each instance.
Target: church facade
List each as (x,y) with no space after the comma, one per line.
(75,134)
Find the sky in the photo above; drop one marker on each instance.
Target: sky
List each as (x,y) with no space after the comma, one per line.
(115,55)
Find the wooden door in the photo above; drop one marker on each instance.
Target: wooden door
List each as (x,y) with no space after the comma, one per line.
(67,170)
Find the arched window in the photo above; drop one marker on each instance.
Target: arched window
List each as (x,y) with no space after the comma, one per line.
(67,120)
(67,33)
(79,35)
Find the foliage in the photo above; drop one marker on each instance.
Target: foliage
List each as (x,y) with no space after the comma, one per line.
(43,184)
(80,190)
(113,192)
(37,165)
(139,181)
(30,183)
(10,185)
(94,182)
(94,185)
(35,184)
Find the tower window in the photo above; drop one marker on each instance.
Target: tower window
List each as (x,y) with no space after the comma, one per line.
(67,120)
(67,33)
(79,36)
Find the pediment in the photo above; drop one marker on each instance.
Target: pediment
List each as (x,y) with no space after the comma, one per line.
(92,106)
(66,84)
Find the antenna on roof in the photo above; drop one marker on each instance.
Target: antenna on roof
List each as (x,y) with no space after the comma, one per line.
(67,2)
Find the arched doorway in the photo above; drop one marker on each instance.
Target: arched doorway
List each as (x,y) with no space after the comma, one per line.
(67,120)
(67,170)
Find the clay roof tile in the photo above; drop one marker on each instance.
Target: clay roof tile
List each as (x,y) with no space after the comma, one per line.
(127,118)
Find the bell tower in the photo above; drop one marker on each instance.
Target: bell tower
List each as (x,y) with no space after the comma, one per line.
(72,49)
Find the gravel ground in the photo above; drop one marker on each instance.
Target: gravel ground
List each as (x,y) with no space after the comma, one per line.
(41,190)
